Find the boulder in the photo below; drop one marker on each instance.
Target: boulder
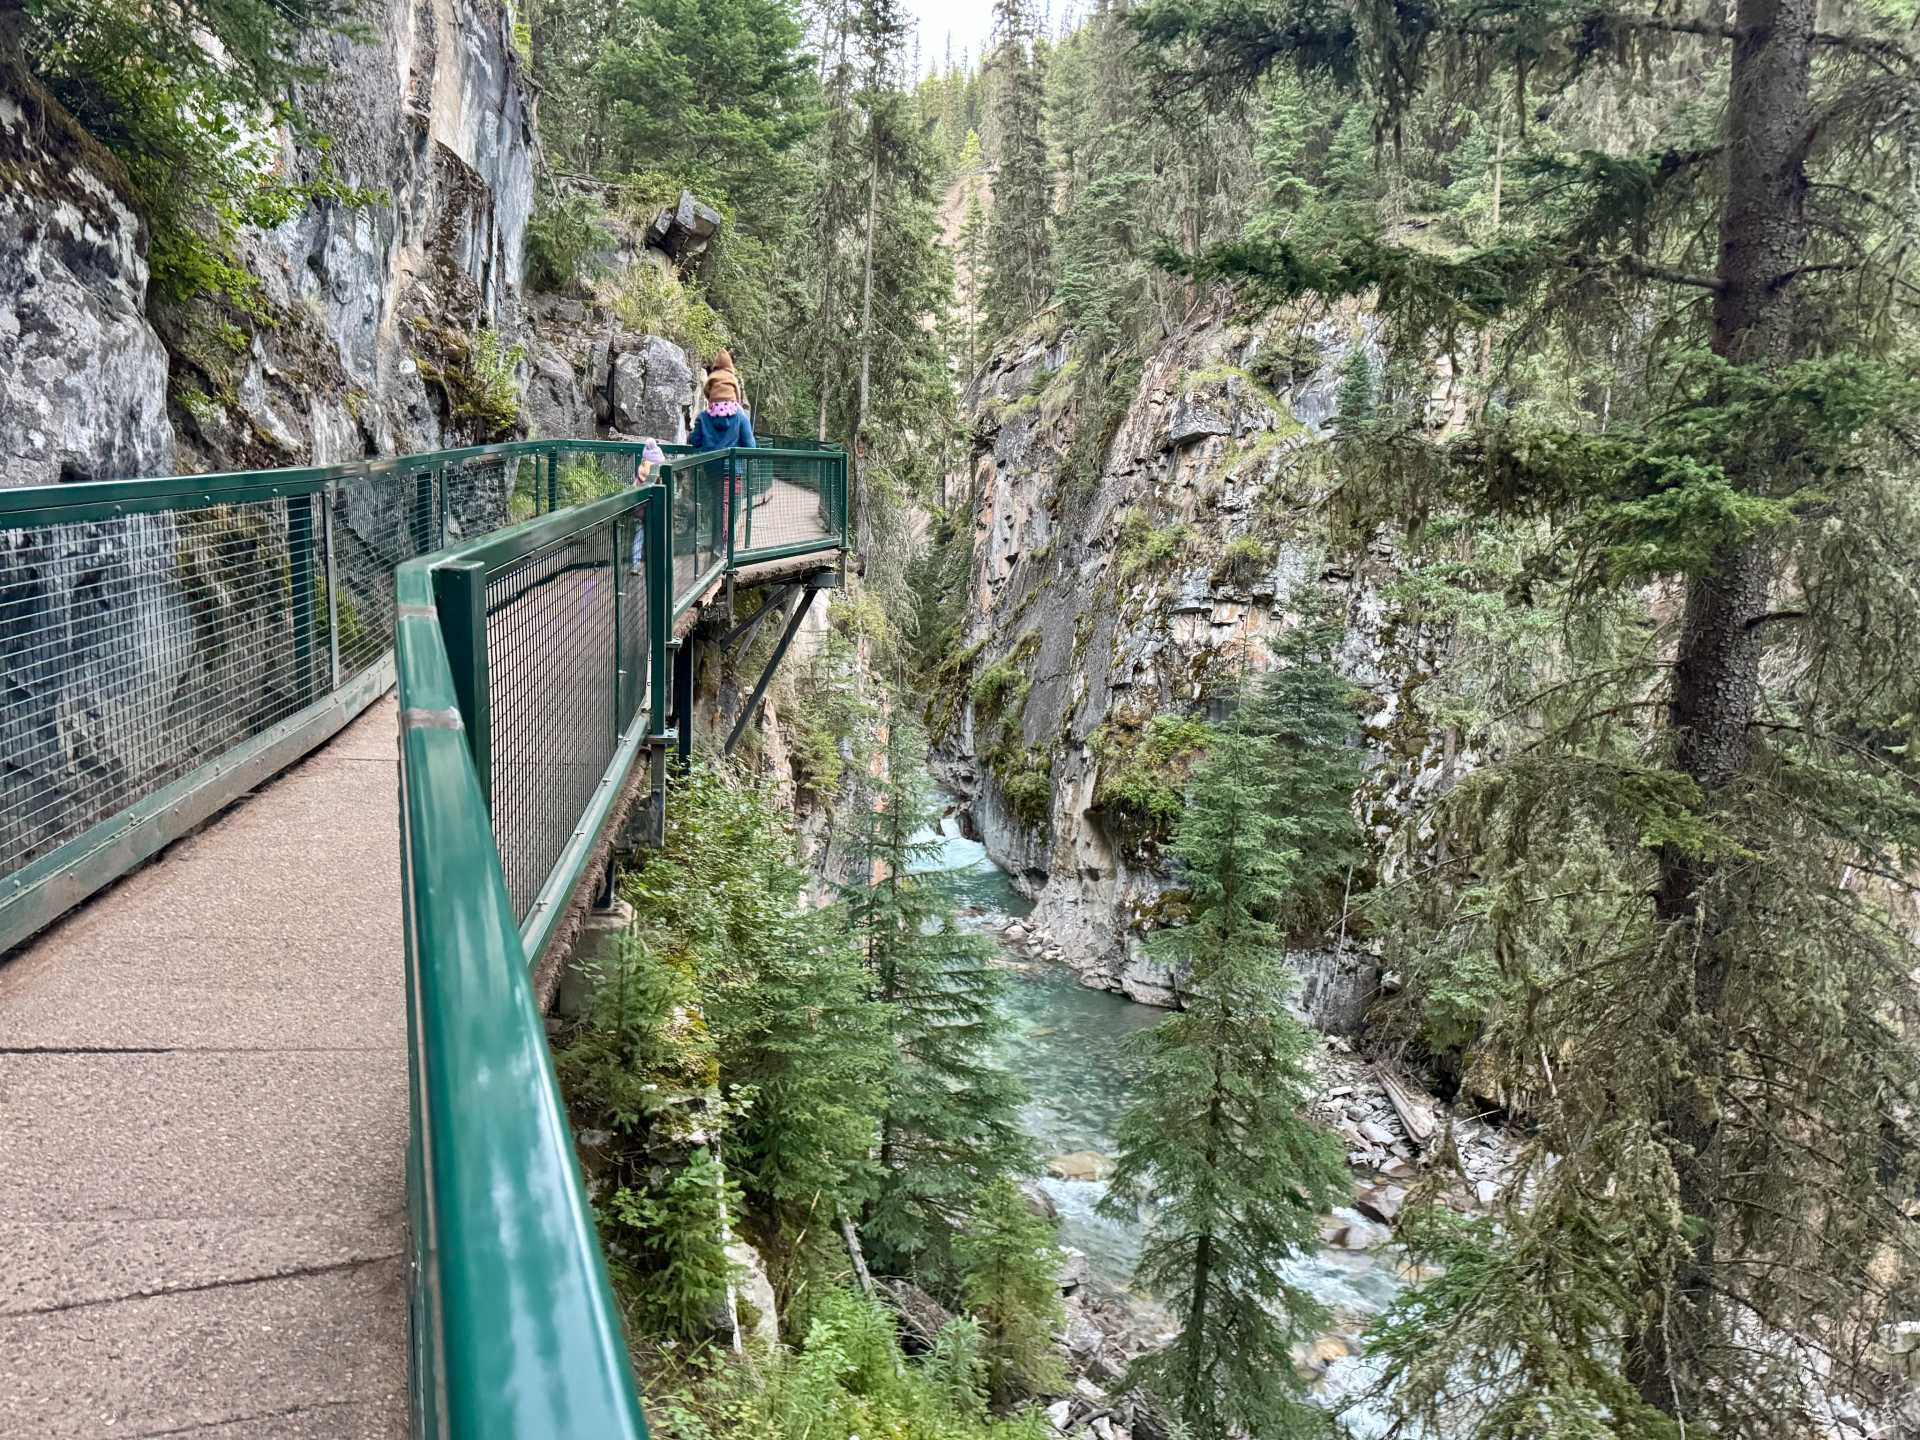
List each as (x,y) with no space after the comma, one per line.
(1196,420)
(1073,1269)
(1057,1414)
(1381,1203)
(1040,1202)
(650,390)
(1080,1165)
(556,402)
(684,231)
(1375,1133)
(755,1305)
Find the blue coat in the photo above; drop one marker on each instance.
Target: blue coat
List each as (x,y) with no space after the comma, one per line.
(721,432)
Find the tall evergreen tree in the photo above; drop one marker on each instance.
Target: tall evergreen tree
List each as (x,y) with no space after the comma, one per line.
(1020,229)
(1234,1178)
(1689,857)
(950,1125)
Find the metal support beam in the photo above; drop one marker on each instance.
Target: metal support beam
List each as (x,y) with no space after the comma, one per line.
(743,632)
(683,697)
(766,678)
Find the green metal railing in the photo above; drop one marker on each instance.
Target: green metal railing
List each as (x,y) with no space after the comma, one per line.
(204,632)
(533,673)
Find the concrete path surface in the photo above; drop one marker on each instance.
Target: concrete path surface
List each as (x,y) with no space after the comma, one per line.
(203,1123)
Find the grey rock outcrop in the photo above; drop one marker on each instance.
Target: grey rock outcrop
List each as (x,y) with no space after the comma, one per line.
(1123,603)
(83,377)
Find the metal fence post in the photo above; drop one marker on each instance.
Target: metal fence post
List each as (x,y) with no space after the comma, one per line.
(460,597)
(553,480)
(300,584)
(333,589)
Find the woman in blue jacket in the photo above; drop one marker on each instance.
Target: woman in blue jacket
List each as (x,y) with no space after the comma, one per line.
(723,425)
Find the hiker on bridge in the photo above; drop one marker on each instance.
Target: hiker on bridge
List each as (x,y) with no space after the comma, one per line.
(723,425)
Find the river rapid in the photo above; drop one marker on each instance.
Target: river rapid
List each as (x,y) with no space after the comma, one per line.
(1068,1046)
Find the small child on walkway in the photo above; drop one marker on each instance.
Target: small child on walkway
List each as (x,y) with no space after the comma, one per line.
(650,456)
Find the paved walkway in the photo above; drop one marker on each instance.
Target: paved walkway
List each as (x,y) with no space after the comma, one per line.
(203,1121)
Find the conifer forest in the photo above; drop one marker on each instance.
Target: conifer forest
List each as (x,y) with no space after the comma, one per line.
(1394,529)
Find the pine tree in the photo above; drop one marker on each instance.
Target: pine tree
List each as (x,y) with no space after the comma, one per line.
(950,1125)
(1236,1178)
(1010,1282)
(1020,229)
(972,265)
(1693,831)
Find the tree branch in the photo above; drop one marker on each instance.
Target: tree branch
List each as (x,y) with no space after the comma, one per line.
(1646,270)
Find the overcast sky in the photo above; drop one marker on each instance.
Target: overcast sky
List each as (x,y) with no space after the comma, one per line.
(967,21)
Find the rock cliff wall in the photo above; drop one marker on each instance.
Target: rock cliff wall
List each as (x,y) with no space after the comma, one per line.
(1096,607)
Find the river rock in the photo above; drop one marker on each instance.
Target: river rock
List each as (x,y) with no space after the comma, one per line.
(1376,1133)
(1352,1231)
(1486,1192)
(1080,1165)
(1057,1414)
(1040,1202)
(1085,1340)
(1073,1269)
(1016,932)
(1381,1203)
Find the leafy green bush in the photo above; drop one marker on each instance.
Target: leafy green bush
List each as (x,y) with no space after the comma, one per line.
(563,238)
(846,1377)
(480,382)
(655,301)
(1141,786)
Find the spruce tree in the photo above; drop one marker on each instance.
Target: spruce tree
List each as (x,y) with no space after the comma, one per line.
(1215,1147)
(951,1124)
(1020,229)
(1698,820)
(1010,1282)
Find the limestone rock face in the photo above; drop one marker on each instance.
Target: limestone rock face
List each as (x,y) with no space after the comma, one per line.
(83,377)
(1121,601)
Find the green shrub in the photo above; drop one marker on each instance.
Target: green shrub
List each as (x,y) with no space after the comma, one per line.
(1142,546)
(563,238)
(480,382)
(654,301)
(1025,774)
(1245,558)
(1001,688)
(1141,787)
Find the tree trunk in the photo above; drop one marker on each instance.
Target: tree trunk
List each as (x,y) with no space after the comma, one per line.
(859,458)
(1763,234)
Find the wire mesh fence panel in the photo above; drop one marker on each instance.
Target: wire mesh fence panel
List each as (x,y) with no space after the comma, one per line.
(382,516)
(794,503)
(136,649)
(550,649)
(475,497)
(635,631)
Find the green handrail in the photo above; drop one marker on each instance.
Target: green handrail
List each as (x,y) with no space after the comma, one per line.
(515,1332)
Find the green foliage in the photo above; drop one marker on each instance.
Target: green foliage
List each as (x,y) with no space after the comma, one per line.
(665,1246)
(654,301)
(950,1125)
(1143,776)
(1010,1280)
(185,118)
(563,237)
(481,382)
(1216,1140)
(1025,773)
(1243,559)
(845,1378)
(1020,228)
(1143,547)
